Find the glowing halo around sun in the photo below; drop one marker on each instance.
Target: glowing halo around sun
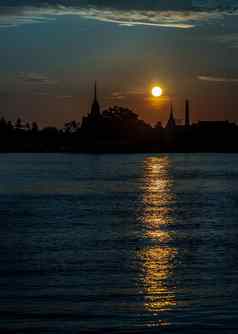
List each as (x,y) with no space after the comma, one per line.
(156,91)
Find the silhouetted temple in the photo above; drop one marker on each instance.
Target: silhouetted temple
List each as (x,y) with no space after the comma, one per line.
(171,124)
(119,129)
(91,121)
(95,109)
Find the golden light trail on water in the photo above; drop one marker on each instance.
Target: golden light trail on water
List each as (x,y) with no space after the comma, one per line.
(157,257)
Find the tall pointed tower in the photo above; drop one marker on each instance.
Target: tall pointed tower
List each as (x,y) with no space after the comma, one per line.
(95,109)
(187,114)
(171,124)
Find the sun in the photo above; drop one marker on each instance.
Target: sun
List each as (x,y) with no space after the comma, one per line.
(156,91)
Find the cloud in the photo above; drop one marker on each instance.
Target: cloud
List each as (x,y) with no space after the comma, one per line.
(180,14)
(229,39)
(35,78)
(217,79)
(64,97)
(136,92)
(119,95)
(177,5)
(15,16)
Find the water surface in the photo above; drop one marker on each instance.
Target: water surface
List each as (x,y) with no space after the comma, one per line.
(118,243)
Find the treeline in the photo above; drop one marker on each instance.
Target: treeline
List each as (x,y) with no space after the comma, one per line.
(23,136)
(115,130)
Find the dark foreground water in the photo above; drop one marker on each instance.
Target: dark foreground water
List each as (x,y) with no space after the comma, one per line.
(119,243)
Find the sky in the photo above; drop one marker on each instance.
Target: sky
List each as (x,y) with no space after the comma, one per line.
(51,52)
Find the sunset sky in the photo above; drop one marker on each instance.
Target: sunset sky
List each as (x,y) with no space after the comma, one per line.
(50,55)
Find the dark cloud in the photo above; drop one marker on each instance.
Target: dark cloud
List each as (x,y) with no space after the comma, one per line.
(181,14)
(217,79)
(126,4)
(179,5)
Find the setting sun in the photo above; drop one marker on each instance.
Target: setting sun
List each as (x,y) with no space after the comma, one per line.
(156,91)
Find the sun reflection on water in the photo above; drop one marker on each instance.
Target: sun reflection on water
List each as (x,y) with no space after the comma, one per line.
(157,256)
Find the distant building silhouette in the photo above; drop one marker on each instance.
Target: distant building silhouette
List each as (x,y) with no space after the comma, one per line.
(171,124)
(215,125)
(187,114)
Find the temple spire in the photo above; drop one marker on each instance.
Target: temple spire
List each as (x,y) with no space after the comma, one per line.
(95,109)
(171,122)
(171,111)
(95,91)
